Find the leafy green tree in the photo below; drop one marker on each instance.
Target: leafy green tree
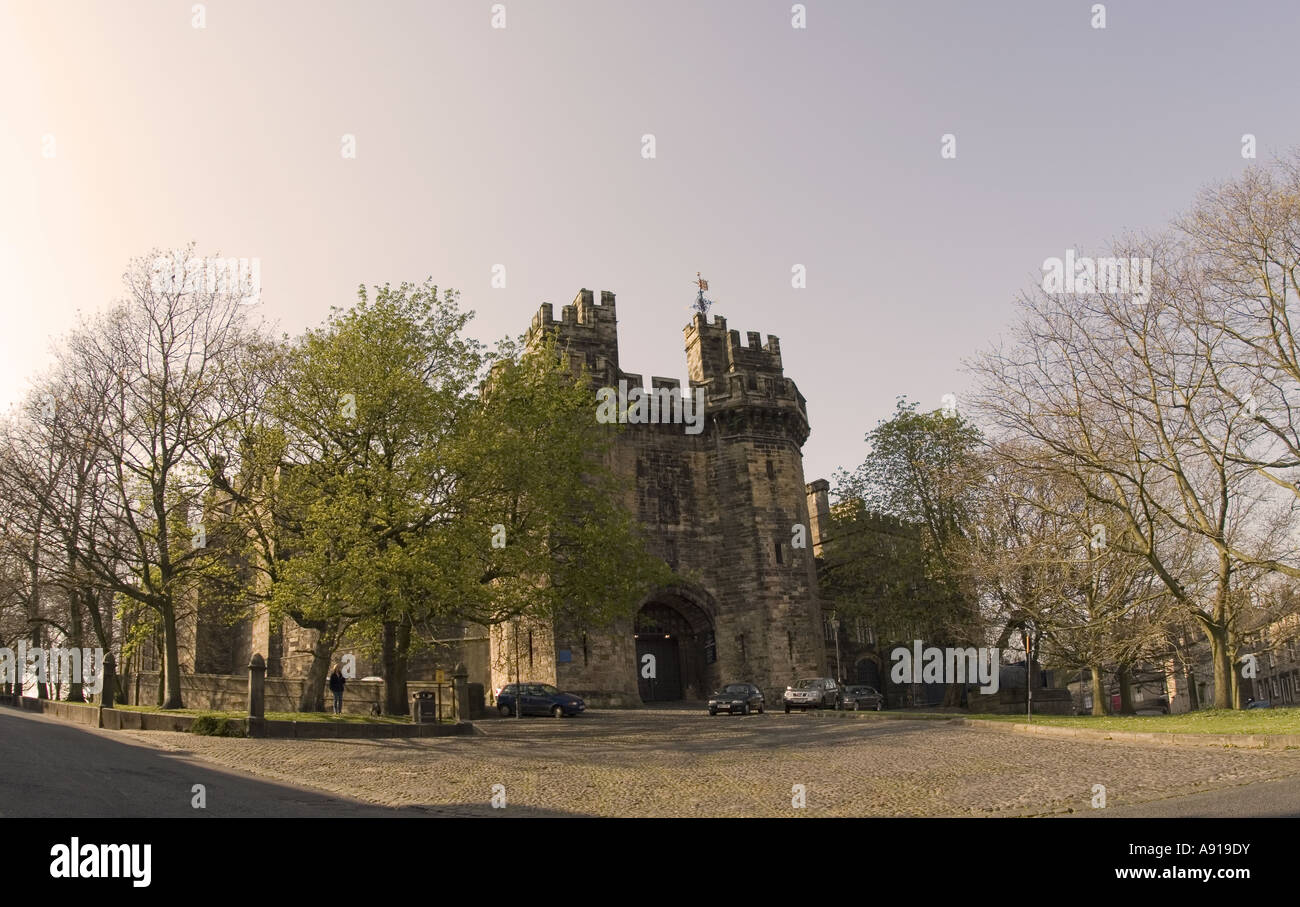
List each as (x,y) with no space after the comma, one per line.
(905,571)
(423,481)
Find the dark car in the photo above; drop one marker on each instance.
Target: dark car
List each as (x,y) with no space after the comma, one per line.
(737,697)
(812,693)
(860,698)
(1258,704)
(538,699)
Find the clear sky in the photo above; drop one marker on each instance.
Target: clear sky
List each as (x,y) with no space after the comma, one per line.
(522,146)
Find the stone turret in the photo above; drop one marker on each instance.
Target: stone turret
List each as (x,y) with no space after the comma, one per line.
(589,331)
(719,505)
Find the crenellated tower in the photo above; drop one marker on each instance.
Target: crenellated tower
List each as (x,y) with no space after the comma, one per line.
(726,508)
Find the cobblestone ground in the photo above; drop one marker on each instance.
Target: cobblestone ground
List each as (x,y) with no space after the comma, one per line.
(678,763)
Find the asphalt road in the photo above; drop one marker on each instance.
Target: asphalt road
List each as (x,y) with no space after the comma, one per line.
(1279,799)
(49,768)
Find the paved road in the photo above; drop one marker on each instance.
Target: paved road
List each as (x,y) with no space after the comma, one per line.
(684,763)
(636,763)
(50,768)
(1278,799)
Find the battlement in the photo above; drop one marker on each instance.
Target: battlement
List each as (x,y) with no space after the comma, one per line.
(738,374)
(587,329)
(713,352)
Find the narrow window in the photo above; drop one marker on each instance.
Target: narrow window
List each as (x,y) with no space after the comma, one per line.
(780,558)
(530,650)
(584,650)
(771,473)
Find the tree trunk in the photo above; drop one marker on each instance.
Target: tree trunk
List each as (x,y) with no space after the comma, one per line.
(1234,650)
(101,631)
(1221,658)
(952,695)
(397,641)
(75,637)
(1193,696)
(173,698)
(35,643)
(1125,675)
(34,602)
(313,690)
(1098,691)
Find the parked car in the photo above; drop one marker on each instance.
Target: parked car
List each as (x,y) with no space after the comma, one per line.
(538,699)
(1258,704)
(737,697)
(812,693)
(860,698)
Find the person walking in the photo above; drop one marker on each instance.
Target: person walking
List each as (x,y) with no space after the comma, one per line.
(336,687)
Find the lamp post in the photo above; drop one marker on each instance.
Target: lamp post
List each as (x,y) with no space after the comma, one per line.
(1028,630)
(839,672)
(519,680)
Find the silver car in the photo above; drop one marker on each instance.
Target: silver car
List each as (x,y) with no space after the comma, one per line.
(812,693)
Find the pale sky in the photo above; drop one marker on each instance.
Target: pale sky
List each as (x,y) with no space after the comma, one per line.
(522,147)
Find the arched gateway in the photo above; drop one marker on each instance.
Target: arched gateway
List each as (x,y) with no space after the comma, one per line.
(721,499)
(676,647)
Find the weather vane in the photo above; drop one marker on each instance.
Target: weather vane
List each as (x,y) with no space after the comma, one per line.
(701,304)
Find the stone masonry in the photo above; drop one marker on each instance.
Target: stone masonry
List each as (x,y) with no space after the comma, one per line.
(719,507)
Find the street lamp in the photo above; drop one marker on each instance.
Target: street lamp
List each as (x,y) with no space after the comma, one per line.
(839,672)
(1028,630)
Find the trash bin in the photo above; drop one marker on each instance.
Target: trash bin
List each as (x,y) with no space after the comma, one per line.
(424,707)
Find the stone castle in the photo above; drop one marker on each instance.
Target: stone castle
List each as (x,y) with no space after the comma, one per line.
(719,504)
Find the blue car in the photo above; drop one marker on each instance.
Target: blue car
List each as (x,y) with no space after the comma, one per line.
(538,699)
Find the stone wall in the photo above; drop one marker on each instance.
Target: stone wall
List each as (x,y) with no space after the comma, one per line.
(720,507)
(226,693)
(1012,702)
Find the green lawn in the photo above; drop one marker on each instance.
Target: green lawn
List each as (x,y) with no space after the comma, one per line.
(1208,721)
(276,716)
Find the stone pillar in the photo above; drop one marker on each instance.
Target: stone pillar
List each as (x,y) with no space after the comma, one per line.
(257,687)
(108,692)
(460,678)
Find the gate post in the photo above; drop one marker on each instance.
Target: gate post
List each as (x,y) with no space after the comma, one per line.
(108,689)
(257,687)
(460,679)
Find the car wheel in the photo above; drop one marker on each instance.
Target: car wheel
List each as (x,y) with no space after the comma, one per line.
(713,711)
(505,710)
(878,705)
(857,706)
(744,709)
(787,708)
(760,710)
(558,712)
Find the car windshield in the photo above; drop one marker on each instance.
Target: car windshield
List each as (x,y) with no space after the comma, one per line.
(735,688)
(811,682)
(858,690)
(547,689)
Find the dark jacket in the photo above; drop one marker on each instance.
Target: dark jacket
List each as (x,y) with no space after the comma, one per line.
(336,682)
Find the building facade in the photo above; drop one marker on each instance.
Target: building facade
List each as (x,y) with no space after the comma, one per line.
(725,505)
(720,506)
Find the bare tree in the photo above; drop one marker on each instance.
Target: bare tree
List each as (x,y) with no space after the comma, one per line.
(1038,553)
(175,361)
(1117,389)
